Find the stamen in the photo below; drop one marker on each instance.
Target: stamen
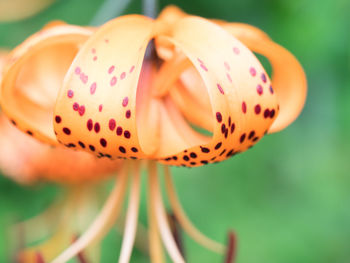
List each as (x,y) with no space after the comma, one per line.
(231,248)
(160,216)
(169,73)
(81,258)
(141,241)
(176,231)
(39,258)
(156,249)
(102,223)
(186,224)
(131,218)
(47,221)
(47,250)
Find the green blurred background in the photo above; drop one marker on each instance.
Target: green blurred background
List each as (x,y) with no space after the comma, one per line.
(287,198)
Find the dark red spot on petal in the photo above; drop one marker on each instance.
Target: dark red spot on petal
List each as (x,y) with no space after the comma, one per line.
(251,135)
(227,66)
(70,93)
(103,142)
(89,124)
(218,117)
(119,131)
(111,69)
(271,90)
(257,109)
(259,89)
(128,114)
(223,128)
(66,131)
(193,155)
(123,75)
(81,110)
(82,145)
(242,138)
(134,149)
(263,77)
(92,148)
(100,108)
(125,102)
(112,124)
(122,149)
(58,119)
(252,71)
(266,113)
(272,113)
(233,127)
(75,106)
(220,88)
(97,127)
(205,150)
(229,77)
(93,88)
(218,145)
(113,81)
(244,107)
(127,134)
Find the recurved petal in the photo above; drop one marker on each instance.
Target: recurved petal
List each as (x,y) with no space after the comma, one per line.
(243,108)
(33,75)
(26,160)
(102,114)
(288,77)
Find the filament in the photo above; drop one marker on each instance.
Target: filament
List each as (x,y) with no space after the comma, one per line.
(156,249)
(190,229)
(102,223)
(160,215)
(131,218)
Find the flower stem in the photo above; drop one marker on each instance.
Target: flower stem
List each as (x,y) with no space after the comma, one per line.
(150,8)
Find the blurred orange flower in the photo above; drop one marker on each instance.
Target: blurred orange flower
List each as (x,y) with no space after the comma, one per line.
(20,9)
(200,97)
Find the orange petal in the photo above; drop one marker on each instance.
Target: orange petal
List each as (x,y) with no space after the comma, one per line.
(34,74)
(169,15)
(242,105)
(18,9)
(288,77)
(107,91)
(26,160)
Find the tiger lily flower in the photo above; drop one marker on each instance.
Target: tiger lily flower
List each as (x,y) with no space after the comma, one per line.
(112,99)
(29,161)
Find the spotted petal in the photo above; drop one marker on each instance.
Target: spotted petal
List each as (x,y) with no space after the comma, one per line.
(242,105)
(101,115)
(288,78)
(34,74)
